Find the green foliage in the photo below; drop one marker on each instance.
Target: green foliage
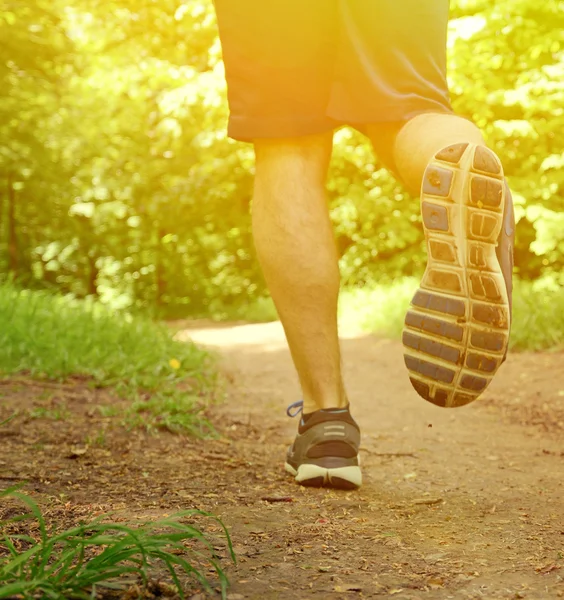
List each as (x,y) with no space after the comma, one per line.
(507,74)
(117,179)
(258,310)
(57,337)
(538,315)
(377,227)
(75,563)
(128,188)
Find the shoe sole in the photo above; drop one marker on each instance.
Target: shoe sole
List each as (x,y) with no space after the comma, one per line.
(457,327)
(343,478)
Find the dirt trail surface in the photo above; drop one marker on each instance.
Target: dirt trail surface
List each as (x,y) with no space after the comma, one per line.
(464,503)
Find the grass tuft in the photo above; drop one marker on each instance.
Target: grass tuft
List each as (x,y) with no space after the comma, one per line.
(56,337)
(77,562)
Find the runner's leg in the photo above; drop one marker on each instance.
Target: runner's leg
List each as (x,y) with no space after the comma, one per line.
(294,240)
(279,57)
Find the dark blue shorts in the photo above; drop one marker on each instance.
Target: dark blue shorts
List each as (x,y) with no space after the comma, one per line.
(299,67)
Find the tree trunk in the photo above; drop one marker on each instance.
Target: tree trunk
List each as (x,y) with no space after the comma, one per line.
(159,271)
(12,241)
(92,288)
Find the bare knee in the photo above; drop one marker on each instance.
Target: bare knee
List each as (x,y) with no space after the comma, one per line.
(423,136)
(406,148)
(440,127)
(292,161)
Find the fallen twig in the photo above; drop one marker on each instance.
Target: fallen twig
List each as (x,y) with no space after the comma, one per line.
(277,499)
(389,454)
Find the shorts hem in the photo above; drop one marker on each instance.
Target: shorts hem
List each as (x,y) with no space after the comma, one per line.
(393,114)
(247,129)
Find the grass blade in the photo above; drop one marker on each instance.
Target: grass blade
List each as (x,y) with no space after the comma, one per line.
(76,562)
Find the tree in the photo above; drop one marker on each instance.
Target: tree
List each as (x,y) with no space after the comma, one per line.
(117,178)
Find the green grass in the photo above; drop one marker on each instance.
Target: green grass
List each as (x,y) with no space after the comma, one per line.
(538,315)
(55,337)
(538,312)
(87,561)
(59,413)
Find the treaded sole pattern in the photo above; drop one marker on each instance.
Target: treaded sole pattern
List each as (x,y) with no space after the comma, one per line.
(343,478)
(457,327)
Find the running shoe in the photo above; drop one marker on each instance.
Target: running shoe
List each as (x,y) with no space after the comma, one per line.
(456,330)
(325,451)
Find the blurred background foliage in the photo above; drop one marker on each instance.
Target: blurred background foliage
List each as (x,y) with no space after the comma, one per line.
(117,179)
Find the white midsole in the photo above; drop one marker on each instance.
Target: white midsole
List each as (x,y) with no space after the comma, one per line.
(306,471)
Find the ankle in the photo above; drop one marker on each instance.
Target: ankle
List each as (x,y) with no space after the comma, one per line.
(311,404)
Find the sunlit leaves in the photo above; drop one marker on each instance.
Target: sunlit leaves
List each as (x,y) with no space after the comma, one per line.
(115,159)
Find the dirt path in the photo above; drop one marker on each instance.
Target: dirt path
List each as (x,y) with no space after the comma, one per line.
(461,504)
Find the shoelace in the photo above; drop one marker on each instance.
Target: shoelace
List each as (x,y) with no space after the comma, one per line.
(298,407)
(295,409)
